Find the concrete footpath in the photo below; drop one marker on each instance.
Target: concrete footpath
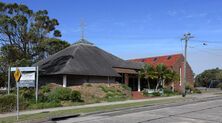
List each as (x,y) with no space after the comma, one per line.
(205,95)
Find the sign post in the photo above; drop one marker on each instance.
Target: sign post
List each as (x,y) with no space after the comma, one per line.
(17,76)
(37,84)
(9,73)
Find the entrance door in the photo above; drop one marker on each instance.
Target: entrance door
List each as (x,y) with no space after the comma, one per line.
(133,83)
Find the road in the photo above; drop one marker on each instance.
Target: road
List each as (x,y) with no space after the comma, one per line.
(209,111)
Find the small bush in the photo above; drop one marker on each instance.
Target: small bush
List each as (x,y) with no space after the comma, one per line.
(220,86)
(43,97)
(44,89)
(8,103)
(114,94)
(60,94)
(3,92)
(75,96)
(197,91)
(156,94)
(126,87)
(169,92)
(27,93)
(147,94)
(64,94)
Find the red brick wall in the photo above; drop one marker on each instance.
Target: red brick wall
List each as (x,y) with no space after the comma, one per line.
(189,74)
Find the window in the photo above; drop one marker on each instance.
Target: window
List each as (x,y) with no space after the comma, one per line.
(154,59)
(169,57)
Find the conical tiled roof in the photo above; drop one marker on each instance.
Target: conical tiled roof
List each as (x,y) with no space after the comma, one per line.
(83,58)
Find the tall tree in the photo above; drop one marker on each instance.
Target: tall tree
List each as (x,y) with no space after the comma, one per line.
(26,36)
(24,29)
(209,76)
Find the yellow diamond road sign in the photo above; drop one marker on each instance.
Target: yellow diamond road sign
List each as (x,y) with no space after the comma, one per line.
(17,75)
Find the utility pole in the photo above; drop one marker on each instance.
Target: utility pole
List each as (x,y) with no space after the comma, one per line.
(186,38)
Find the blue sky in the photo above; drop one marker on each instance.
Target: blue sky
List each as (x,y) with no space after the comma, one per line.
(142,28)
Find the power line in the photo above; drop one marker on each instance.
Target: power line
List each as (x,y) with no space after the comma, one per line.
(208,41)
(204,50)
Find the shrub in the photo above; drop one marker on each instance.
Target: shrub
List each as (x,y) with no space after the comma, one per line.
(114,94)
(197,91)
(3,92)
(64,94)
(220,86)
(169,92)
(156,94)
(126,87)
(59,94)
(147,94)
(8,103)
(43,97)
(45,89)
(75,96)
(27,93)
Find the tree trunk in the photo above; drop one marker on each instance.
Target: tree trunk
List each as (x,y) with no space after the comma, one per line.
(172,87)
(163,83)
(157,85)
(148,82)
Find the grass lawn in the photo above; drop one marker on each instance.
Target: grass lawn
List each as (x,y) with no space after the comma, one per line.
(44,116)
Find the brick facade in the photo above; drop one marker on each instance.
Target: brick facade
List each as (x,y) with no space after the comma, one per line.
(178,67)
(174,62)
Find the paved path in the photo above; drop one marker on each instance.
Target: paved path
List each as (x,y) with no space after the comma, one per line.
(209,111)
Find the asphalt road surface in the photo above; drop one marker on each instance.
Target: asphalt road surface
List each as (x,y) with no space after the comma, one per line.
(209,111)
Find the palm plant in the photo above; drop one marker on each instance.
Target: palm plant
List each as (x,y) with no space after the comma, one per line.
(173,76)
(162,73)
(165,75)
(147,72)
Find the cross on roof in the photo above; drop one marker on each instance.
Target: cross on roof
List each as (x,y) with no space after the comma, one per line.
(82,26)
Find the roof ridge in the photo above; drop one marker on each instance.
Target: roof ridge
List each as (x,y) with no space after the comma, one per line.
(157,56)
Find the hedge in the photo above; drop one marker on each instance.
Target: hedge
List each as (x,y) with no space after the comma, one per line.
(8,103)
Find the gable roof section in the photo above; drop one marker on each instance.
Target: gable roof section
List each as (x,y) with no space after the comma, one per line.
(168,60)
(83,59)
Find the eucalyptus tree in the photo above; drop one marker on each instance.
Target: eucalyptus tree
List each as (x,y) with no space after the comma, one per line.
(25,29)
(26,36)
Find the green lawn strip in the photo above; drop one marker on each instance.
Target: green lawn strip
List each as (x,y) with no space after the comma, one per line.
(210,91)
(47,115)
